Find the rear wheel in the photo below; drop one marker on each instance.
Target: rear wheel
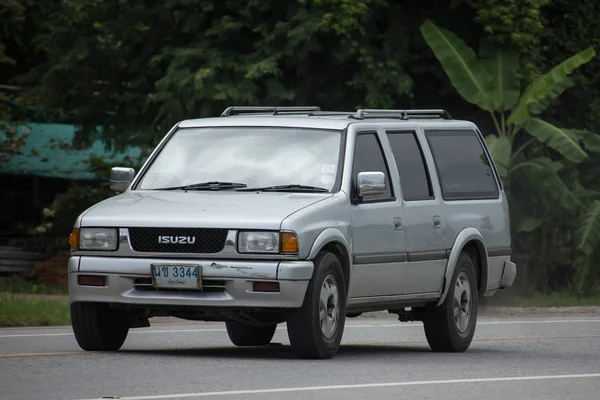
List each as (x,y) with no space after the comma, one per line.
(98,327)
(451,326)
(315,330)
(247,335)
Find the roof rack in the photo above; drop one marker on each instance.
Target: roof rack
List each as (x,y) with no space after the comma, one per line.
(402,114)
(275,110)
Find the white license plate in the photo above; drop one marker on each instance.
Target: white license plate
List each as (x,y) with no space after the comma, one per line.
(176,276)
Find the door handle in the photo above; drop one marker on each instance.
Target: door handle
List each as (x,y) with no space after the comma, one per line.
(398,224)
(437,222)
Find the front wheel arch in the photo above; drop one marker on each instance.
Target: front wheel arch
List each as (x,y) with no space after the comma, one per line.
(333,241)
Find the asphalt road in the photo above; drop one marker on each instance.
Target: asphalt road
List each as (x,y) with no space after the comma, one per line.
(513,357)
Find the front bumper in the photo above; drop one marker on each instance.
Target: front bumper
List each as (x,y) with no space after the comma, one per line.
(230,283)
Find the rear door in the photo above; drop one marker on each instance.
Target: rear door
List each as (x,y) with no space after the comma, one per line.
(423,222)
(472,194)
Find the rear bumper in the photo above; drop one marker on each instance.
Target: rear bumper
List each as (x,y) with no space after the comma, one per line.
(508,275)
(127,279)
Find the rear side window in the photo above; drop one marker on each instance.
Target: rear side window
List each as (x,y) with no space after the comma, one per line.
(463,167)
(414,177)
(368,157)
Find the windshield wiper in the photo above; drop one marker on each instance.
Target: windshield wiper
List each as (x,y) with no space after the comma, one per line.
(285,188)
(212,185)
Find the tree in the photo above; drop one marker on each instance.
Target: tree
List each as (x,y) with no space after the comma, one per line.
(523,144)
(131,67)
(10,139)
(135,69)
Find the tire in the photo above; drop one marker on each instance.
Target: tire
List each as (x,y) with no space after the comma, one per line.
(309,340)
(445,333)
(98,327)
(247,335)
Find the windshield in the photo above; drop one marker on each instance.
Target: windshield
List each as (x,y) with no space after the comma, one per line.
(254,156)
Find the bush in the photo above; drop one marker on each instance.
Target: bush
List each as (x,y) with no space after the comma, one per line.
(59,217)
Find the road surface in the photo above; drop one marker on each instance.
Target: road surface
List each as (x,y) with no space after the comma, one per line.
(524,356)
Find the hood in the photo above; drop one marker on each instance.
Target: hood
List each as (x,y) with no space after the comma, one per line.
(222,209)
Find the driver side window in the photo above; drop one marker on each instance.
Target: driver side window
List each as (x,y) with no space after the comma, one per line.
(368,157)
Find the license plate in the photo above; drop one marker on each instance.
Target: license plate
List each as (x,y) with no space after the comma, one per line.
(176,276)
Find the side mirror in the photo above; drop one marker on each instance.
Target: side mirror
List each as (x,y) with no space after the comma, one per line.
(371,184)
(120,178)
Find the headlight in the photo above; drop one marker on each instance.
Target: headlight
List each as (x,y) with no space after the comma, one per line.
(98,239)
(258,242)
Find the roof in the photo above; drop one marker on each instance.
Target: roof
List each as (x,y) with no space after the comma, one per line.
(262,120)
(48,152)
(316,122)
(313,117)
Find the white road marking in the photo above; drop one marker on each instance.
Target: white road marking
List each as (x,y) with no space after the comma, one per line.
(36,335)
(282,328)
(357,386)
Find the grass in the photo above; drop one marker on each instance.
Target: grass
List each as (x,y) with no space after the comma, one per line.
(24,303)
(17,310)
(541,300)
(556,300)
(17,285)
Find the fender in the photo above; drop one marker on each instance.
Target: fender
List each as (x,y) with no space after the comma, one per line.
(465,236)
(326,236)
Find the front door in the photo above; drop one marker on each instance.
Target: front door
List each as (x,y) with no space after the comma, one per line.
(379,243)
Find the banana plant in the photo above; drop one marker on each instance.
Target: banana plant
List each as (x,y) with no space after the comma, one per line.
(491,81)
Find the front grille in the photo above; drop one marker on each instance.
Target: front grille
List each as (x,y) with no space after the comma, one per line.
(208,285)
(194,240)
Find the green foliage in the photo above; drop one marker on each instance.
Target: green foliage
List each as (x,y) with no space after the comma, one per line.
(460,63)
(529,224)
(503,65)
(514,23)
(199,57)
(589,231)
(569,25)
(492,82)
(562,140)
(501,149)
(59,217)
(3,57)
(545,88)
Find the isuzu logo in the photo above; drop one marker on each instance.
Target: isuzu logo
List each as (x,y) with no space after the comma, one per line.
(177,239)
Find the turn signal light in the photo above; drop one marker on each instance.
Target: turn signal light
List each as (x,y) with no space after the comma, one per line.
(271,287)
(289,242)
(74,239)
(91,280)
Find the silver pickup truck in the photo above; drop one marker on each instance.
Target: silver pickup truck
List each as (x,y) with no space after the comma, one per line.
(267,215)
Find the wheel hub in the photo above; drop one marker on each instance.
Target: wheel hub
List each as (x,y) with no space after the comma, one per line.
(462,302)
(329,307)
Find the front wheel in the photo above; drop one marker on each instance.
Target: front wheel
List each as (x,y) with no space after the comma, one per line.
(451,326)
(315,330)
(98,327)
